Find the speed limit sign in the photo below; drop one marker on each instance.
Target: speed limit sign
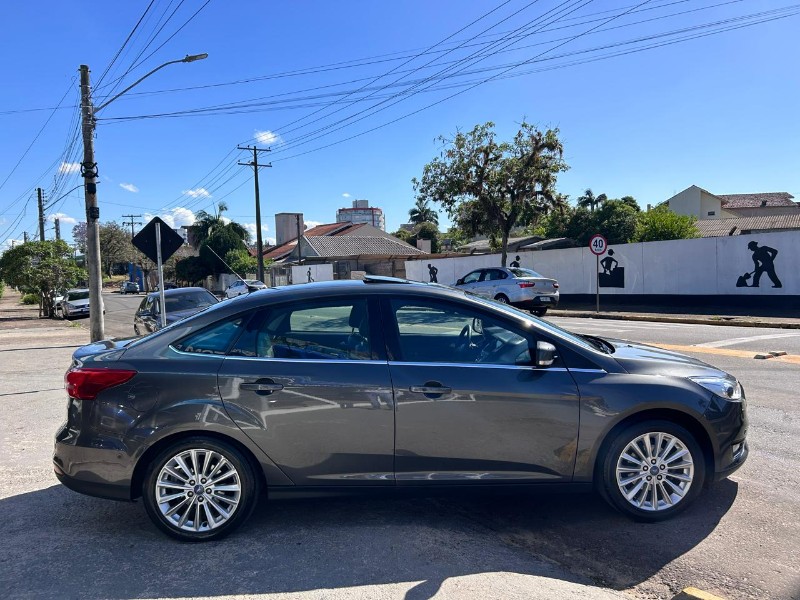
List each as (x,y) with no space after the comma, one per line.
(598,244)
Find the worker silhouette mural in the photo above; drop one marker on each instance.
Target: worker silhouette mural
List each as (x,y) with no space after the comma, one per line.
(310,278)
(611,275)
(764,262)
(432,272)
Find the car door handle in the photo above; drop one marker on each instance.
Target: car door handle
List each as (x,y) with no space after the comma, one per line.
(429,389)
(267,388)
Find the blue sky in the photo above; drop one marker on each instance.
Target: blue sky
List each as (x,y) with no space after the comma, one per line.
(719,111)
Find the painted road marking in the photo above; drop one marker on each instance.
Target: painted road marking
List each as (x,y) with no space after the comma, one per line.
(743,340)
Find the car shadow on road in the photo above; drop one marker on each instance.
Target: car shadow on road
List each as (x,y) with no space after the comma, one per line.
(57,543)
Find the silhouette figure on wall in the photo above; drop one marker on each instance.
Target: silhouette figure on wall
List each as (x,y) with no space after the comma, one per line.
(310,278)
(515,262)
(432,272)
(764,262)
(612,274)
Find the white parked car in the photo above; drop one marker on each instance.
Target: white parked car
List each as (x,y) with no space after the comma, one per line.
(521,288)
(75,303)
(243,286)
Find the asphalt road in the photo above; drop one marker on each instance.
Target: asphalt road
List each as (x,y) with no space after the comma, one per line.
(740,540)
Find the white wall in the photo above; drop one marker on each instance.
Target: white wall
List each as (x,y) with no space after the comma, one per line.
(703,266)
(318,273)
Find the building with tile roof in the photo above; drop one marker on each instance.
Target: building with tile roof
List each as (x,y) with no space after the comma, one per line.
(704,205)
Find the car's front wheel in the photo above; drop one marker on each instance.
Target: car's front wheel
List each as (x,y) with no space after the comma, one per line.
(199,489)
(501,298)
(652,470)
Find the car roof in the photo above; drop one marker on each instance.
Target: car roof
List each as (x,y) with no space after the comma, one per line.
(179,291)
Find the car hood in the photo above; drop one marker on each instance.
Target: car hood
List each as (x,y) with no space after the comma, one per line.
(649,360)
(84,302)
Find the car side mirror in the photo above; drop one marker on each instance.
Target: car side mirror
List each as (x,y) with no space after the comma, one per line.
(460,281)
(145,313)
(545,354)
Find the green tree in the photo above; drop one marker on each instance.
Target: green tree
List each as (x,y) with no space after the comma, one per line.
(221,241)
(115,245)
(402,234)
(590,201)
(426,231)
(79,236)
(661,223)
(242,262)
(41,268)
(192,270)
(631,201)
(488,186)
(423,213)
(206,224)
(616,220)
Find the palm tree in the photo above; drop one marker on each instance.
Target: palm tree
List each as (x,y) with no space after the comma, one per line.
(590,201)
(205,224)
(422,213)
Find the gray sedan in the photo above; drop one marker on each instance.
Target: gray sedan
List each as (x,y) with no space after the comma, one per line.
(385,384)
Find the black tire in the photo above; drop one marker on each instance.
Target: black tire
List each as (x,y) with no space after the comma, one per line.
(501,298)
(239,473)
(539,312)
(651,503)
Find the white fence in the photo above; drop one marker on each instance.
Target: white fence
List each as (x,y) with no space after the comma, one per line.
(704,266)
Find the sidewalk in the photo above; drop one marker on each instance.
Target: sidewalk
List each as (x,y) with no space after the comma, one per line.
(21,327)
(780,319)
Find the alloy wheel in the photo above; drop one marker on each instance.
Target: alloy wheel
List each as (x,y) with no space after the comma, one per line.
(655,471)
(198,490)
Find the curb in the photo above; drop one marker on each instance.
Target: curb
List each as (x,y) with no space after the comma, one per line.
(667,319)
(691,593)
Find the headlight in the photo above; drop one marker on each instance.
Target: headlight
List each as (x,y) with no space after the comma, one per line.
(71,306)
(721,386)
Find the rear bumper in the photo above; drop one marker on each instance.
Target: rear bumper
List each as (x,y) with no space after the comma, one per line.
(101,469)
(537,302)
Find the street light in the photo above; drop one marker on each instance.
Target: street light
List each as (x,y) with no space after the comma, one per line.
(89,173)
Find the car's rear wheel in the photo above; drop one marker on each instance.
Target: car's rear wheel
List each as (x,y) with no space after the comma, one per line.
(501,298)
(652,470)
(199,489)
(539,312)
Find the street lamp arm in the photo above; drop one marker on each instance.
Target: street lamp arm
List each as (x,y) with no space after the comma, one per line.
(64,195)
(187,58)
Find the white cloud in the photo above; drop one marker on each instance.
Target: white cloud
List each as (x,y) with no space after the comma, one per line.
(197,193)
(345,195)
(69,167)
(9,243)
(63,219)
(251,228)
(129,187)
(311,224)
(175,218)
(267,137)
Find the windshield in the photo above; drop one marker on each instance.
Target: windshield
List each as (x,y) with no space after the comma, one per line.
(540,323)
(517,272)
(78,296)
(189,301)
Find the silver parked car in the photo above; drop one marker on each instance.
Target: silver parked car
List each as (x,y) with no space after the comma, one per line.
(381,384)
(243,286)
(521,288)
(75,303)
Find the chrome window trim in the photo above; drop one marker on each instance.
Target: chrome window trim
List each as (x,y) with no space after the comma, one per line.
(340,361)
(492,366)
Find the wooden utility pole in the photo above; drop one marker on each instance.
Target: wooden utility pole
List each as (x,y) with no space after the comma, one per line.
(89,173)
(259,239)
(132,223)
(40,200)
(58,228)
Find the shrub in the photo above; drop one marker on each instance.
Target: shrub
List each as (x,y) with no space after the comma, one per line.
(30,299)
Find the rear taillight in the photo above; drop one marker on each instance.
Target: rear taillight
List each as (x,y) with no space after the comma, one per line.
(526,284)
(85,384)
(555,285)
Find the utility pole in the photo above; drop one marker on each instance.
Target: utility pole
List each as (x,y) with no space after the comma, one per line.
(89,173)
(24,237)
(40,200)
(259,242)
(132,223)
(58,228)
